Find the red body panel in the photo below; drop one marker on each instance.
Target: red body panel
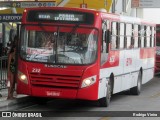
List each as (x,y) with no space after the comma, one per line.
(57,82)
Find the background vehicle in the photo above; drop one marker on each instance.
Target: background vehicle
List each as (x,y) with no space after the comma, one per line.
(83,54)
(157,65)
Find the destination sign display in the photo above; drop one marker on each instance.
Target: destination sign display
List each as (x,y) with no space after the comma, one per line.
(27,4)
(10,17)
(60,16)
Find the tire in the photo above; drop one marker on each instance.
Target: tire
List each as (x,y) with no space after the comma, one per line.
(137,90)
(105,101)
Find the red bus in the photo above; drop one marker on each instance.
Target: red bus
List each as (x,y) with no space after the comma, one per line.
(75,53)
(157,65)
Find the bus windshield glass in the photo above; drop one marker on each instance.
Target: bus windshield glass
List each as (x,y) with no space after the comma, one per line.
(59,45)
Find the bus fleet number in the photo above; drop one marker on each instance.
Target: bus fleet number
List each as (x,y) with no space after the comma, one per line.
(36,70)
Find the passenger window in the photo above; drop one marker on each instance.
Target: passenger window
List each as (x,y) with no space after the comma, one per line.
(114,36)
(139,36)
(135,36)
(148,35)
(142,36)
(121,35)
(145,36)
(128,34)
(153,35)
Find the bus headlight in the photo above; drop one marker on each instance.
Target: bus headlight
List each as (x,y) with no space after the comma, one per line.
(22,77)
(88,81)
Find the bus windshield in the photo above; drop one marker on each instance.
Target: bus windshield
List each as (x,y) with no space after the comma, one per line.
(59,45)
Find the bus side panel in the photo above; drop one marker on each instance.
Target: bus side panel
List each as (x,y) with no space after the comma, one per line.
(113,65)
(90,92)
(147,58)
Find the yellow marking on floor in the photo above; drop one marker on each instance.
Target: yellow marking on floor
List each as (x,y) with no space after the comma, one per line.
(155,96)
(105,118)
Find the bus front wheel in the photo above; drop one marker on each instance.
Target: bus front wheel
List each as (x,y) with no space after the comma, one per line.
(104,102)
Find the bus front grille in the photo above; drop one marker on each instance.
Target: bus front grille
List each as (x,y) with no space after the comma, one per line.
(50,80)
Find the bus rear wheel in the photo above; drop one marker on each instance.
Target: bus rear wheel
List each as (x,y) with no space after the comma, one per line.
(104,102)
(137,90)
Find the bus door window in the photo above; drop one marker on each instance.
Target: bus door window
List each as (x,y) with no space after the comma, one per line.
(105,41)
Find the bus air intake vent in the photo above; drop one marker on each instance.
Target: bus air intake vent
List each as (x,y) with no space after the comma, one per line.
(51,80)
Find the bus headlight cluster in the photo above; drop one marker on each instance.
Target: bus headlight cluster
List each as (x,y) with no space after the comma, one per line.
(22,77)
(88,81)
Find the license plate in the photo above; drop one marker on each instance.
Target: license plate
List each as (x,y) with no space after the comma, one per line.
(53,93)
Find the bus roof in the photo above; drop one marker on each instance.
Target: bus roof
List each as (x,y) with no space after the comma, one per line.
(104,15)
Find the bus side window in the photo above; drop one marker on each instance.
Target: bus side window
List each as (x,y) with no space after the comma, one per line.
(145,36)
(135,35)
(153,36)
(139,36)
(114,36)
(125,37)
(132,38)
(148,33)
(128,34)
(121,45)
(142,36)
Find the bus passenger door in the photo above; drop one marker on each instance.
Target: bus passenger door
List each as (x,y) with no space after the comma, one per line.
(104,71)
